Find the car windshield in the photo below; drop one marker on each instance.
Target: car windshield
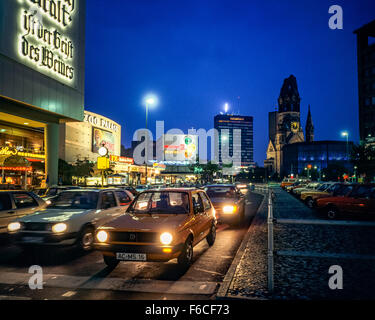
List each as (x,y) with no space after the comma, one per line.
(75,200)
(221,192)
(51,192)
(332,187)
(323,187)
(342,190)
(161,202)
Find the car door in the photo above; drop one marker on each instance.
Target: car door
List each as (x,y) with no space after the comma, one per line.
(25,203)
(207,217)
(109,206)
(360,200)
(199,217)
(7,211)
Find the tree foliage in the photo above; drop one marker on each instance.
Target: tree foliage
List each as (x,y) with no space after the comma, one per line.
(363,157)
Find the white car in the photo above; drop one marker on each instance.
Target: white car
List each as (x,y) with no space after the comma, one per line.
(71,219)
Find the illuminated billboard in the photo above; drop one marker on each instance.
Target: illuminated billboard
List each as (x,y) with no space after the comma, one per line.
(180,147)
(102,138)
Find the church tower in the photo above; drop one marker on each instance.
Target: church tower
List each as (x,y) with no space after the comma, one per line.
(289,99)
(309,128)
(284,125)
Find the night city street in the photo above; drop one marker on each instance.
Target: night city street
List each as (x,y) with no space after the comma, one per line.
(186,159)
(86,276)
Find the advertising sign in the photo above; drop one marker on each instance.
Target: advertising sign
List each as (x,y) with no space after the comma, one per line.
(179,147)
(44,35)
(102,138)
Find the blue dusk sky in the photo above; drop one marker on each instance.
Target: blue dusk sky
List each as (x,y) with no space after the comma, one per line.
(197,55)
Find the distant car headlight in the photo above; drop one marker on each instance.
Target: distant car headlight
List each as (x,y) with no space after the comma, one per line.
(102,236)
(229,209)
(59,228)
(14,226)
(166,238)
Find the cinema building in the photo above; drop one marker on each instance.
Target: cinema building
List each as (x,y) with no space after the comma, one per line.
(42,65)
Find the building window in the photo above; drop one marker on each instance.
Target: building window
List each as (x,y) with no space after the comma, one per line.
(367,102)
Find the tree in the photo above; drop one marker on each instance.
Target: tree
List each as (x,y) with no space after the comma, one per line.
(83,168)
(362,157)
(333,172)
(66,172)
(206,171)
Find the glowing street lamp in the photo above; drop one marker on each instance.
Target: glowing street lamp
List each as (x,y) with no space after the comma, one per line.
(150,101)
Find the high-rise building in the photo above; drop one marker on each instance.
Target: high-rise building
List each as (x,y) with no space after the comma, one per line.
(366,81)
(231,122)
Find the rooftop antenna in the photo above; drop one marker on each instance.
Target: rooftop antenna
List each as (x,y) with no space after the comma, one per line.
(239,101)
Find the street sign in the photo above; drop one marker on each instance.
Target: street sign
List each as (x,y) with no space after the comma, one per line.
(103,163)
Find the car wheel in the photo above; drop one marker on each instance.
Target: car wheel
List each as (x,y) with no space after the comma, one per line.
(211,236)
(86,239)
(111,262)
(186,257)
(310,202)
(332,213)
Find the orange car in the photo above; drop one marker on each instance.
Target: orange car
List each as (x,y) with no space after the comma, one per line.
(159,225)
(287,182)
(352,199)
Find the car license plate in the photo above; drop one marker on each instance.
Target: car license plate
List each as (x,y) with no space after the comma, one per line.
(32,239)
(131,256)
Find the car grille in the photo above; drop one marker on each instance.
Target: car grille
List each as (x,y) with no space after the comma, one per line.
(141,237)
(36,226)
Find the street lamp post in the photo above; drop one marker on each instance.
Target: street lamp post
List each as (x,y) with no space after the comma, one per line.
(346,134)
(149,101)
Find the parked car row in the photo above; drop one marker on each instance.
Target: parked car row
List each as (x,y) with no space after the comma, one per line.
(155,225)
(335,199)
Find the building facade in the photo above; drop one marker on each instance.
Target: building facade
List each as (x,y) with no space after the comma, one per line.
(42,63)
(317,154)
(366,81)
(226,125)
(82,140)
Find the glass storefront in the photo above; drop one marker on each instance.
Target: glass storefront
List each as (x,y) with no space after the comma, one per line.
(22,156)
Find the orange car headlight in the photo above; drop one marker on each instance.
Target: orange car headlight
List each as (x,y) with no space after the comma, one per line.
(166,238)
(102,236)
(229,209)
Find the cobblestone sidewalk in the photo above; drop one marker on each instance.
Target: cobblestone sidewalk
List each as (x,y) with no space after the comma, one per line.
(300,277)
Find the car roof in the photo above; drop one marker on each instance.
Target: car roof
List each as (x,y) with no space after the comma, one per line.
(91,190)
(173,189)
(220,185)
(14,191)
